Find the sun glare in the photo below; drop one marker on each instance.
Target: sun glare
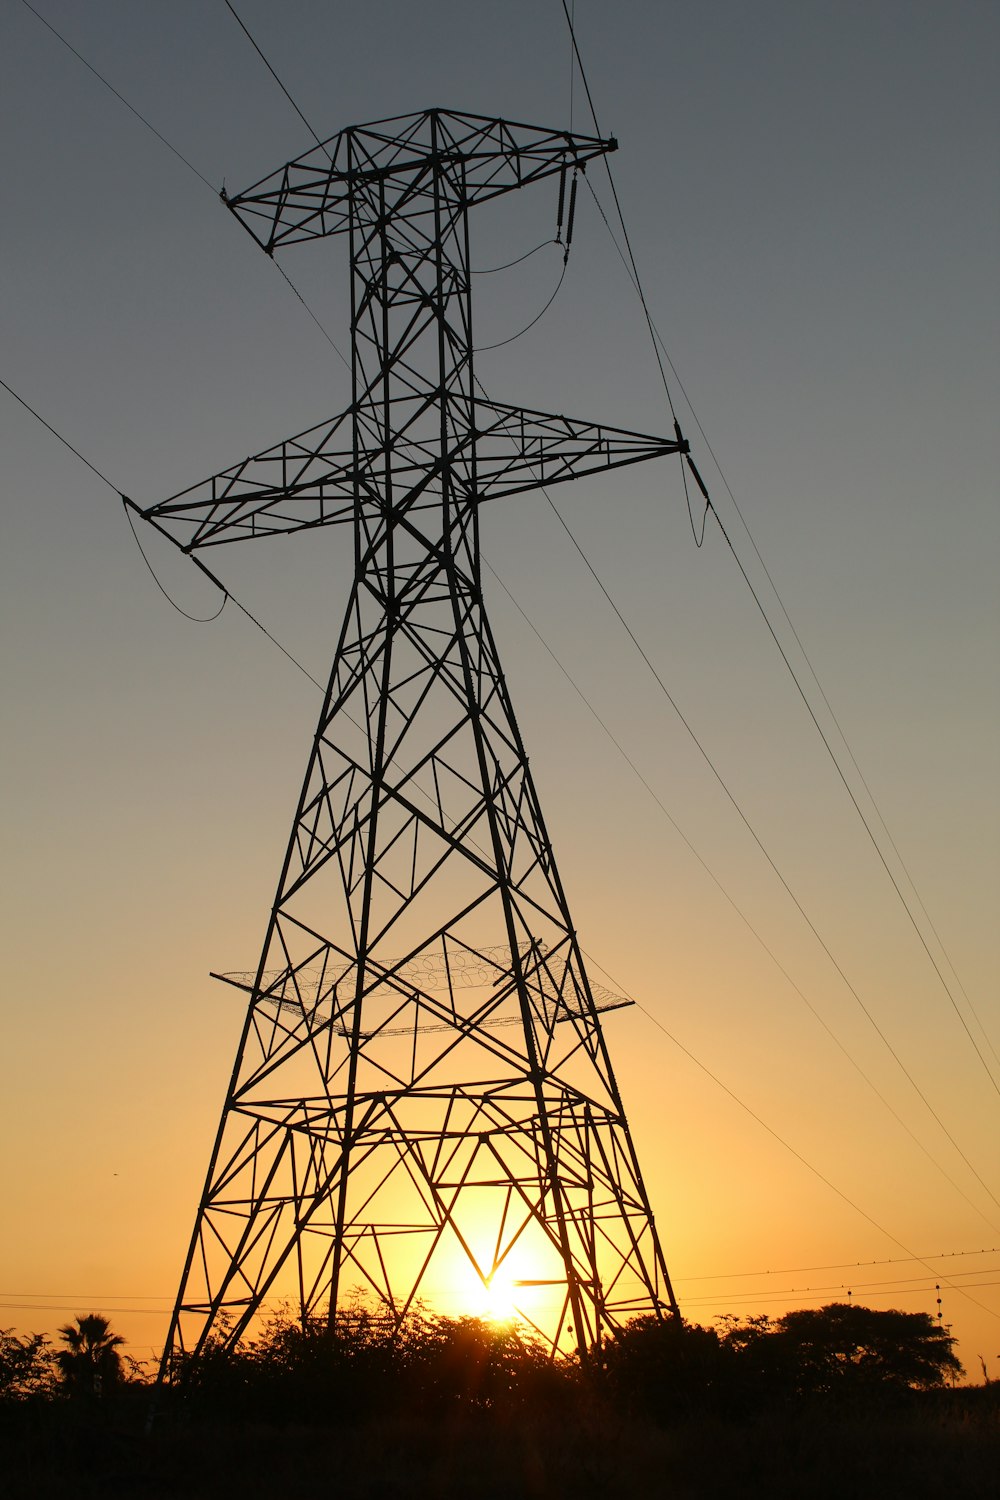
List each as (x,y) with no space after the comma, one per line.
(522,1286)
(494,1299)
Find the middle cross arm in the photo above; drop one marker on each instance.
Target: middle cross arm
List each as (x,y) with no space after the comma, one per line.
(314,479)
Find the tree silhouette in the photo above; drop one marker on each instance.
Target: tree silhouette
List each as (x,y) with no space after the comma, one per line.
(25,1366)
(665,1368)
(841,1350)
(849,1348)
(90,1365)
(842,1353)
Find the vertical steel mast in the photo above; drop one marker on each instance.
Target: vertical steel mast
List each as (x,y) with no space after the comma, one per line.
(422,1098)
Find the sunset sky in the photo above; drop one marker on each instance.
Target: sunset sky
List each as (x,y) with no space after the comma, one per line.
(810,193)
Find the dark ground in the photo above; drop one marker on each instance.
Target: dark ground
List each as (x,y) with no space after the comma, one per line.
(946,1445)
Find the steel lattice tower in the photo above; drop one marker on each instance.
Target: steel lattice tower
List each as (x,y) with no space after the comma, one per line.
(422,1086)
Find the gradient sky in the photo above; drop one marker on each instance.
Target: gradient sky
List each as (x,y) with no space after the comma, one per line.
(811,197)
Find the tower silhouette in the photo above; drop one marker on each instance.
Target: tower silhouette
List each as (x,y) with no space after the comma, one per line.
(422,1096)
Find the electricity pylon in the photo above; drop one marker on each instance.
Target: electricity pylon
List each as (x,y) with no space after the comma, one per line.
(422,1090)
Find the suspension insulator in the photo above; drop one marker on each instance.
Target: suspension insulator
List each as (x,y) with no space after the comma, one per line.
(572,211)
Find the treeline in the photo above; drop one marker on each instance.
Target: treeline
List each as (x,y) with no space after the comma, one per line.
(430,1367)
(828,1403)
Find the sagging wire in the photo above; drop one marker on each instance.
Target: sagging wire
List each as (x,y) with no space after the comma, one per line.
(566,243)
(698,540)
(501,343)
(489,270)
(129,506)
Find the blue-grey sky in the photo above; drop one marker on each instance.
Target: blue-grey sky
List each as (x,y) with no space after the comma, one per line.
(810,191)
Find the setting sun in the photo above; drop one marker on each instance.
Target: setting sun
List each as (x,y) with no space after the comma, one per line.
(496,1298)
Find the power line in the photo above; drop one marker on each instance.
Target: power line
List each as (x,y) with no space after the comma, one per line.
(764,1298)
(190,165)
(897,1286)
(618,207)
(733,903)
(658,346)
(799,1157)
(572,61)
(180,156)
(857,805)
(260,54)
(809,1294)
(130,505)
(227,595)
(65,441)
(798,641)
(657,343)
(839,1265)
(95,1296)
(334,346)
(849,1265)
(74,1305)
(910,1286)
(756,837)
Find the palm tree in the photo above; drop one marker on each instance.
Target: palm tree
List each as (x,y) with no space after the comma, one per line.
(90,1364)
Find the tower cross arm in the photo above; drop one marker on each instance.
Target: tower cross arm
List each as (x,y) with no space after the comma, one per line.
(307,480)
(518,449)
(317,479)
(310,197)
